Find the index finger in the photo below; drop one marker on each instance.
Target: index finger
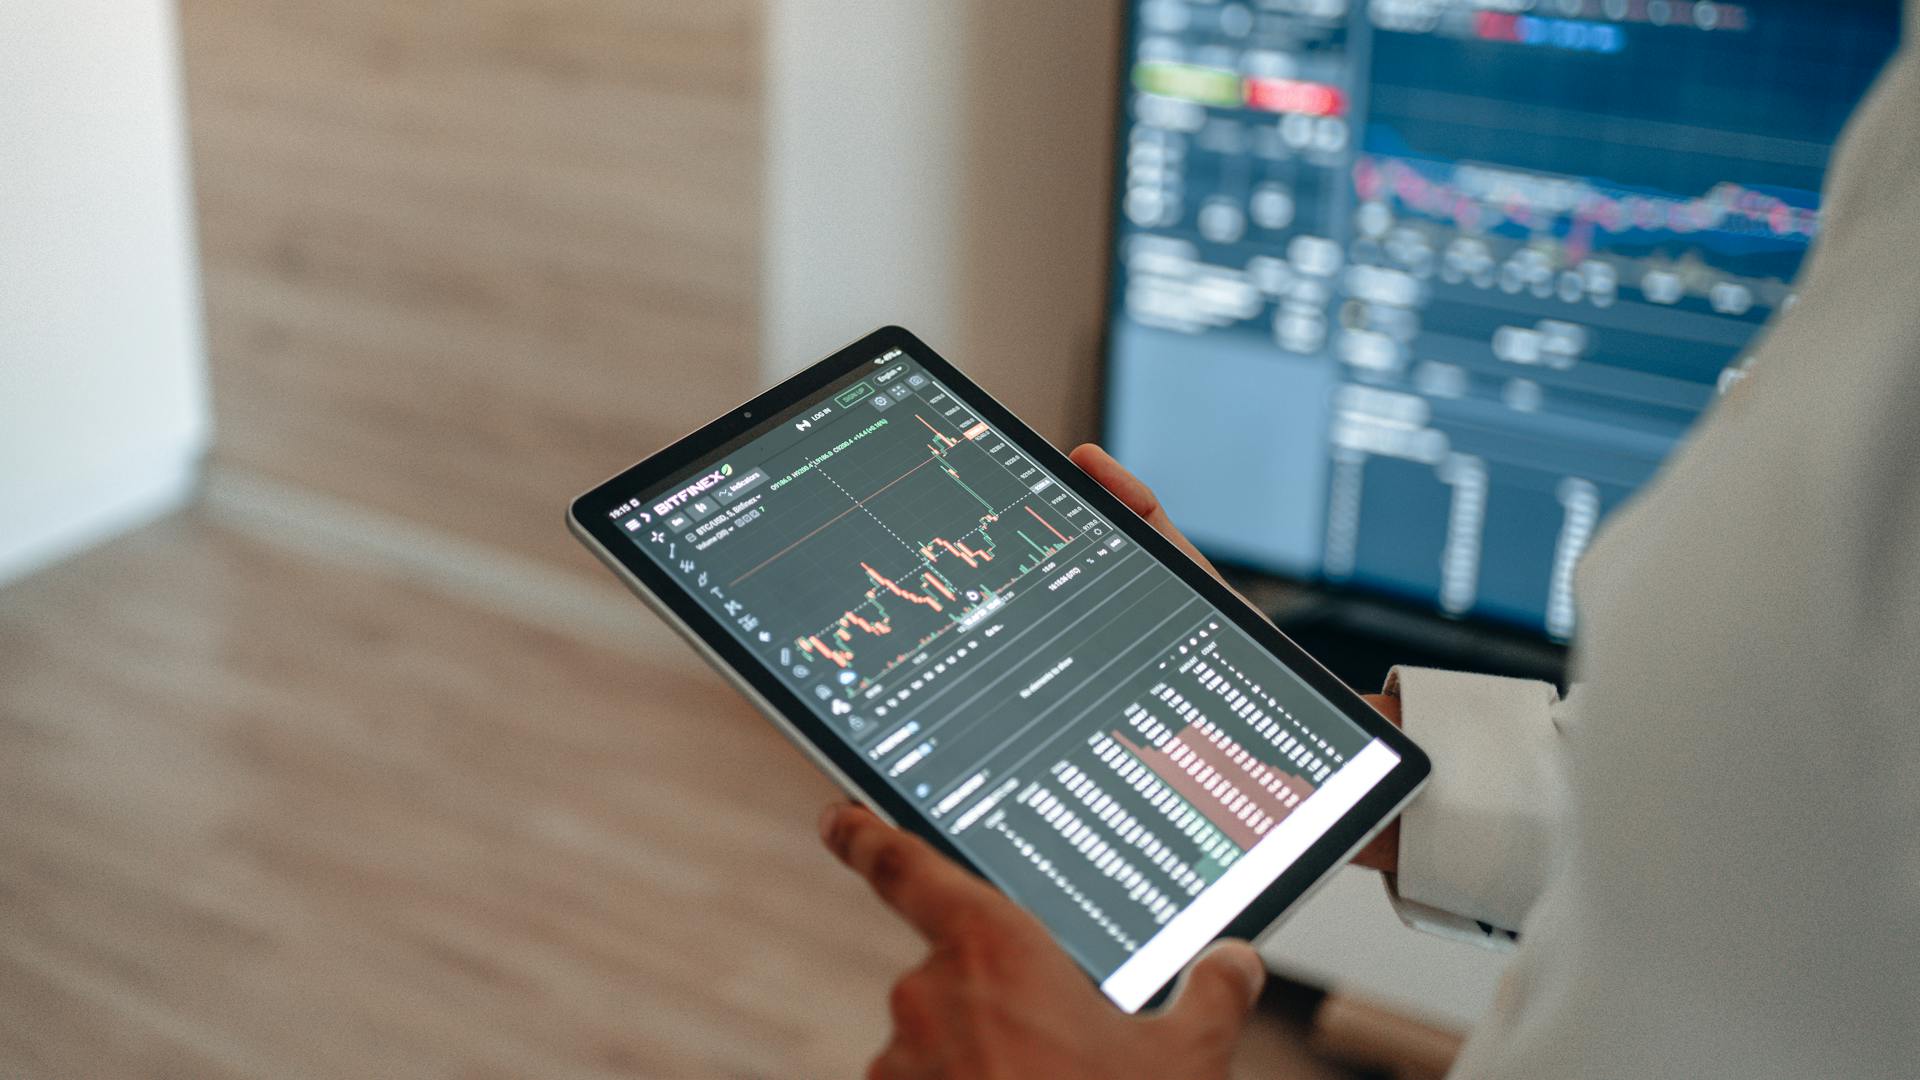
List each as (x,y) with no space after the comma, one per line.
(1094,460)
(1138,497)
(929,890)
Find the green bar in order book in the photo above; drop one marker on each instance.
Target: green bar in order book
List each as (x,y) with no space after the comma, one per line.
(1189,82)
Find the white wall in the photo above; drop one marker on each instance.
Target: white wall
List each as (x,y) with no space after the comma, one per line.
(943,166)
(103,403)
(864,174)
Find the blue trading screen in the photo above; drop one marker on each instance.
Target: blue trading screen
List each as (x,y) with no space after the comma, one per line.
(1410,294)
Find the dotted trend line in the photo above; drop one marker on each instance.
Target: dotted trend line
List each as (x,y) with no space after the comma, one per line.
(864,509)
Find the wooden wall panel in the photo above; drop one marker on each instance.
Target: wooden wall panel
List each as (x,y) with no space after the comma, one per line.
(464,259)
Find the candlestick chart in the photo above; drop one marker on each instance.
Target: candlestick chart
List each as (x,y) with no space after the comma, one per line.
(878,549)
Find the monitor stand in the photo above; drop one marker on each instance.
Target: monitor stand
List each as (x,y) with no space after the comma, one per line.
(1361,639)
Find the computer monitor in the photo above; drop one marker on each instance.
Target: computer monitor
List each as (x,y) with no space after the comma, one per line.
(1409,295)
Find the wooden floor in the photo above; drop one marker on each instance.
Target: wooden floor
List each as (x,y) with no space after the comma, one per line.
(361,768)
(276,804)
(267,817)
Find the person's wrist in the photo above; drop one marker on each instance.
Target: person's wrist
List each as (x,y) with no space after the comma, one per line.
(1382,853)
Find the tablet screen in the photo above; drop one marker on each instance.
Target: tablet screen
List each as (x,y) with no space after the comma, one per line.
(1108,749)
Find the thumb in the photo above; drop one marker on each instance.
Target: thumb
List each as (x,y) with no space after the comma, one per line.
(1218,992)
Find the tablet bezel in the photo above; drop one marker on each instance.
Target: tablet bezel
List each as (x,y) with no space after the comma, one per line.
(592,517)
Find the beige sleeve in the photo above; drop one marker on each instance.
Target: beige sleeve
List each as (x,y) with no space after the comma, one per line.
(1475,844)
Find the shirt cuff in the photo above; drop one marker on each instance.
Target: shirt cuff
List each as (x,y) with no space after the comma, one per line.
(1475,844)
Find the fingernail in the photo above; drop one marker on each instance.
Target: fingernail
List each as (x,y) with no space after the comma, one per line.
(827,815)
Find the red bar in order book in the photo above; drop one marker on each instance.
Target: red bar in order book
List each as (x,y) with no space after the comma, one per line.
(1295,96)
(1192,761)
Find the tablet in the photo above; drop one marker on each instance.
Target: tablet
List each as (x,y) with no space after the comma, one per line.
(978,641)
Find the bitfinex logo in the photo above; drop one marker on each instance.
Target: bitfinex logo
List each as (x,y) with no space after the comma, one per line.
(666,505)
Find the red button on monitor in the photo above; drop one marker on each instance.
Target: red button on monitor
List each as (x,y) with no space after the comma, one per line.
(1295,96)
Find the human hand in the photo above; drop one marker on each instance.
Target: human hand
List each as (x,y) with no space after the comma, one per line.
(1382,853)
(998,999)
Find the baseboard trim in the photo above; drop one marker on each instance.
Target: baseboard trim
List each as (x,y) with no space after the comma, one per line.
(51,524)
(340,532)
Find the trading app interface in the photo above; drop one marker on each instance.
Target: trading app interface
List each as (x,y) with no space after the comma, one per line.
(1411,293)
(1109,750)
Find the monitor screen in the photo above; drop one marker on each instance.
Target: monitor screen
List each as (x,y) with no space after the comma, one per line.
(1410,294)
